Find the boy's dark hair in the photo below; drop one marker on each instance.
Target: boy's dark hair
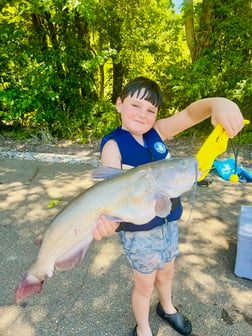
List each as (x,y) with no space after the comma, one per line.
(150,91)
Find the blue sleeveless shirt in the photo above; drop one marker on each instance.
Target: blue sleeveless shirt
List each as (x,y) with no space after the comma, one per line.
(134,154)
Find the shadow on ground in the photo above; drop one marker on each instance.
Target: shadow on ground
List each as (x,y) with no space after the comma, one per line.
(94,298)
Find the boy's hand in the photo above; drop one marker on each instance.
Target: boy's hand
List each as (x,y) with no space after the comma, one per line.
(228,114)
(104,228)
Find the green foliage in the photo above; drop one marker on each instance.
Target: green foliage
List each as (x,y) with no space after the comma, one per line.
(102,119)
(63,62)
(53,203)
(223,63)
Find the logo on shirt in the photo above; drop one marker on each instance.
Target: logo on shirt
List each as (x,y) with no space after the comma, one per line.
(160,147)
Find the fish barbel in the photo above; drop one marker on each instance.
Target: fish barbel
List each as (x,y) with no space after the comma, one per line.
(136,196)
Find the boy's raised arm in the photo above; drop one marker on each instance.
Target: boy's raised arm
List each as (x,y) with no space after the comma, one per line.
(221,110)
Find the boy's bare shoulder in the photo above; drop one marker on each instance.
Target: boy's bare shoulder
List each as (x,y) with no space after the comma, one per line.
(111,156)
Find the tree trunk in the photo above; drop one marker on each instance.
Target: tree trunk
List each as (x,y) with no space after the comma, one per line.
(40,32)
(102,81)
(115,43)
(189,28)
(117,80)
(206,24)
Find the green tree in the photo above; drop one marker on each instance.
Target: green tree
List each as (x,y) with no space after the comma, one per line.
(220,53)
(63,62)
(48,72)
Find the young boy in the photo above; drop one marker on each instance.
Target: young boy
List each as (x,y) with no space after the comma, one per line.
(140,139)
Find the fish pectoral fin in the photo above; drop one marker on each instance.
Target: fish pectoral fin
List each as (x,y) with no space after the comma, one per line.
(105,172)
(162,206)
(73,257)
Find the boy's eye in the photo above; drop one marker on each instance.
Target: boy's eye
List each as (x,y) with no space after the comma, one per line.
(152,111)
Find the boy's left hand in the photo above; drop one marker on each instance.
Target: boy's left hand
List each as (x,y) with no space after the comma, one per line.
(104,227)
(228,114)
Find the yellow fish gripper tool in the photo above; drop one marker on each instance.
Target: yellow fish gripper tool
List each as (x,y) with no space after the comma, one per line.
(215,144)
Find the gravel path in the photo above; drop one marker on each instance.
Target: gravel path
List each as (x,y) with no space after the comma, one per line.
(94,298)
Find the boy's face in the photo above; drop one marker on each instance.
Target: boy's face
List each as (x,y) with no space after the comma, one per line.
(137,115)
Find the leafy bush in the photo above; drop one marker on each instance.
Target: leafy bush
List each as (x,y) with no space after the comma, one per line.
(70,58)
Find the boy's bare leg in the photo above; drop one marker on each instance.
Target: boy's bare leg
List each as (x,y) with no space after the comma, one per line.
(143,288)
(163,284)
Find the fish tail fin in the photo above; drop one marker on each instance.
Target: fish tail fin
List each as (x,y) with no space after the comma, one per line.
(28,286)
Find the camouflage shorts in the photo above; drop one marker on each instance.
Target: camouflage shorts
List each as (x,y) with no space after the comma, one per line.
(148,251)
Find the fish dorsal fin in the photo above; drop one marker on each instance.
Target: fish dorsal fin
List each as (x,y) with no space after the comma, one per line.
(162,206)
(105,172)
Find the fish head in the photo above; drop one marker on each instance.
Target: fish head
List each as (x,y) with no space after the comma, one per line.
(176,176)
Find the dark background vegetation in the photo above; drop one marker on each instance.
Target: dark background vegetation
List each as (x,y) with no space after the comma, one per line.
(64,62)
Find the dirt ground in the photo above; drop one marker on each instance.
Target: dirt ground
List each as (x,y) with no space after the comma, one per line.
(94,298)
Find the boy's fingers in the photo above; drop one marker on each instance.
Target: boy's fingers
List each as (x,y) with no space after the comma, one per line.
(233,129)
(104,228)
(96,234)
(109,225)
(232,125)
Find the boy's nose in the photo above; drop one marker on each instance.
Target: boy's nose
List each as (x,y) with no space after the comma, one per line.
(142,113)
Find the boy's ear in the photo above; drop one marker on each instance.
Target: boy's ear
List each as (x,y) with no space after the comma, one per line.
(118,104)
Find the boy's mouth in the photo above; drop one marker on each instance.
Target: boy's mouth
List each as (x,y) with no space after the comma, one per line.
(139,122)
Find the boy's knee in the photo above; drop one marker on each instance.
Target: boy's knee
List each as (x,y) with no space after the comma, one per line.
(164,275)
(145,289)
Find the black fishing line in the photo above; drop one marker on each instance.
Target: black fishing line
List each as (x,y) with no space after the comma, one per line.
(194,197)
(236,149)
